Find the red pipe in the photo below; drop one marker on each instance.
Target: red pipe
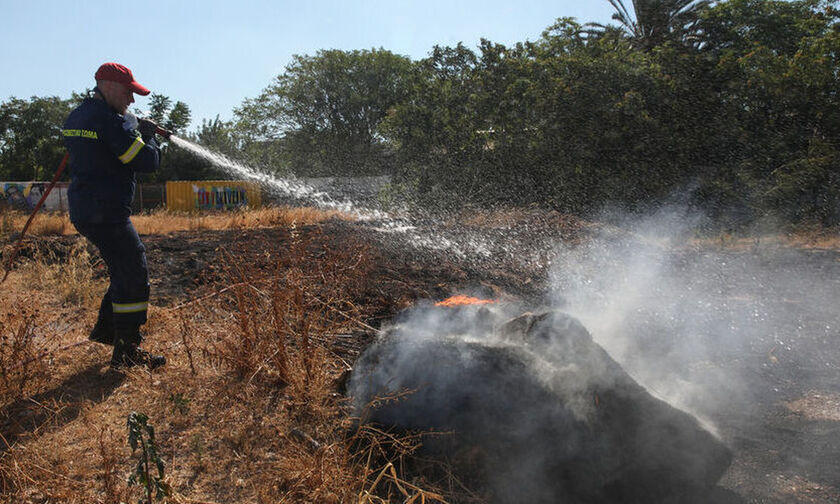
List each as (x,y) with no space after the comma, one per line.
(32,216)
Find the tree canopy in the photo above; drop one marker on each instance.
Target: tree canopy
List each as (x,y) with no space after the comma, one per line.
(327,109)
(730,107)
(31,145)
(651,23)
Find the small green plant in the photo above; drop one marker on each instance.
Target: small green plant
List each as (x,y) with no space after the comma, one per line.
(142,435)
(180,403)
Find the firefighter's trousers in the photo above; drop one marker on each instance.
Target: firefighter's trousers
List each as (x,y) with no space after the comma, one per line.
(127,298)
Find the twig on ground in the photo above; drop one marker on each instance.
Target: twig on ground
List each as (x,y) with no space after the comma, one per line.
(348,317)
(46,353)
(204,298)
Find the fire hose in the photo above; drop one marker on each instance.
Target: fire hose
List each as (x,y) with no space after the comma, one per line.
(16,248)
(158,130)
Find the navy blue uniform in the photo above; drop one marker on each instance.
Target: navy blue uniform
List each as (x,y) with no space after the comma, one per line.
(105,152)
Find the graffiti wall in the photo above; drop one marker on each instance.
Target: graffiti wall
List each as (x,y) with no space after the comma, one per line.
(219,198)
(25,195)
(212,195)
(190,196)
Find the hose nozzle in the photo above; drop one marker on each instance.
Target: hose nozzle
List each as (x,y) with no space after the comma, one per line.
(163,132)
(147,125)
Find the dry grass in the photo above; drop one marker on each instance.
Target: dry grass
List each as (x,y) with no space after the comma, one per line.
(246,410)
(816,238)
(21,371)
(826,239)
(44,224)
(163,221)
(70,276)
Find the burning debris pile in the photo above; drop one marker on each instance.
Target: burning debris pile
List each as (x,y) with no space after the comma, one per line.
(535,405)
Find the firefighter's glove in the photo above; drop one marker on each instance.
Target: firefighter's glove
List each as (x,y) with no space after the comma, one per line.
(147,128)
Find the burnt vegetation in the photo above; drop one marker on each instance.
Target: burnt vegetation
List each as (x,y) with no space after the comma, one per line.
(251,406)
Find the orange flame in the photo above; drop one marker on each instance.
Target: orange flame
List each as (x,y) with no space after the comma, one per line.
(461,300)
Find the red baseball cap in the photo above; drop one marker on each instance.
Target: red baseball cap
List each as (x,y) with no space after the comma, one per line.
(119,73)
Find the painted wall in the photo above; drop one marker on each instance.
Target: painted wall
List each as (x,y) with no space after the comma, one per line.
(212,195)
(25,195)
(198,195)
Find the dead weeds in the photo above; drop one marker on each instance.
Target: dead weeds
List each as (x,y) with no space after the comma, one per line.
(162,221)
(248,408)
(21,371)
(71,276)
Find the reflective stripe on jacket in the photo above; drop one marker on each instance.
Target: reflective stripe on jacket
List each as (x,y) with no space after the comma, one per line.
(104,155)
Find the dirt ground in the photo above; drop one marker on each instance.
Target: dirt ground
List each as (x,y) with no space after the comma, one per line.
(784,431)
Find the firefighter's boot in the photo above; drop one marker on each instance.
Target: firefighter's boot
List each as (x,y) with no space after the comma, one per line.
(127,352)
(102,332)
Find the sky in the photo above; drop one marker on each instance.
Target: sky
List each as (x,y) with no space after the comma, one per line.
(213,54)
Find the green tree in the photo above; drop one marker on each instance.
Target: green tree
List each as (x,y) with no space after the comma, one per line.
(438,130)
(31,145)
(566,121)
(159,105)
(732,105)
(178,118)
(601,123)
(779,61)
(174,118)
(328,108)
(739,26)
(178,164)
(652,23)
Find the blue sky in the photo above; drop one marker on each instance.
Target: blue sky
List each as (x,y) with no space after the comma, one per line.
(213,54)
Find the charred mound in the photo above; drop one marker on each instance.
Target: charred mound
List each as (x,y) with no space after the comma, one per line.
(538,412)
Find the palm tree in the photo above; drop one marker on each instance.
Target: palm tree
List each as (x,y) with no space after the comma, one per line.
(654,22)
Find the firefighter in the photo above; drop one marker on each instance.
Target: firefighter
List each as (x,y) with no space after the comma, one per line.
(107,146)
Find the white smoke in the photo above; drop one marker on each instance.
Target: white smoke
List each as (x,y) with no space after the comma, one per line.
(656,305)
(697,321)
